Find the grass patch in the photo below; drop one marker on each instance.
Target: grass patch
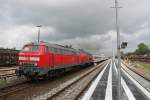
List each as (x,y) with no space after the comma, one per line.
(141,64)
(2,82)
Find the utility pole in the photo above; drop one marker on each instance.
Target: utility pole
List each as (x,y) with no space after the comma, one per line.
(39,26)
(118,49)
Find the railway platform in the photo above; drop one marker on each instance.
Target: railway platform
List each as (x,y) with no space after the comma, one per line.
(7,72)
(8,77)
(104,87)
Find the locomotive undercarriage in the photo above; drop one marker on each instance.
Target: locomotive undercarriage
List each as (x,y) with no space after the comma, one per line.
(34,72)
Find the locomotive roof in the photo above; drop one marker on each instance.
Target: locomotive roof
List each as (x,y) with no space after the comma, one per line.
(58,46)
(83,51)
(53,45)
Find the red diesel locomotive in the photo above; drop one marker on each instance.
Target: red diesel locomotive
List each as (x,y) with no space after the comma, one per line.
(39,60)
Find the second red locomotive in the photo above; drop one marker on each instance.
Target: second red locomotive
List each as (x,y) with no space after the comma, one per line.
(45,59)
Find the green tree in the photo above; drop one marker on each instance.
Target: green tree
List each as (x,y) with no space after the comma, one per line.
(142,49)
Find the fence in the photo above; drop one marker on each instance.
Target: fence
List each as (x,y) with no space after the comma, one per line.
(140,58)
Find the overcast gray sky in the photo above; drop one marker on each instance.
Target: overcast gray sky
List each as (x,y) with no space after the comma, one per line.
(88,24)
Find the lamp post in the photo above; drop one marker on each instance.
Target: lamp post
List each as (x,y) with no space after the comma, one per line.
(118,49)
(39,26)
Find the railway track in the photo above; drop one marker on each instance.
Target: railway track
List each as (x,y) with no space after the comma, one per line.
(105,86)
(14,92)
(73,88)
(9,79)
(13,88)
(137,72)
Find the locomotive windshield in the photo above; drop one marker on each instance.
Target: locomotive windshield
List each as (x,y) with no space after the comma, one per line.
(30,48)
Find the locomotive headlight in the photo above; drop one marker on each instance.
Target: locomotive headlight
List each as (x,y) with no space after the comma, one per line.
(35,64)
(34,58)
(20,63)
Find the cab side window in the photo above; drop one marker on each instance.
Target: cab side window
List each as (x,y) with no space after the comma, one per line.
(53,50)
(47,49)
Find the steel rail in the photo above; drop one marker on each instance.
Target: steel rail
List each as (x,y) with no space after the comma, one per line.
(137,72)
(77,80)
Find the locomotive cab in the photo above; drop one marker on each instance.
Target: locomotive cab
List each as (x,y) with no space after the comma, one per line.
(32,60)
(30,55)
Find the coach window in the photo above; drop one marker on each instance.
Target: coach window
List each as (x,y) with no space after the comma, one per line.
(58,51)
(69,52)
(62,51)
(46,49)
(65,52)
(54,50)
(49,49)
(72,53)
